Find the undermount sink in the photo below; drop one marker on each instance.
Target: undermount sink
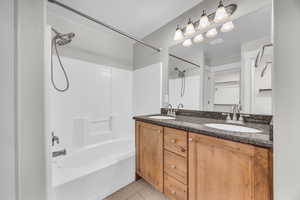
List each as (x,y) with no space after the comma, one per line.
(234,128)
(161,117)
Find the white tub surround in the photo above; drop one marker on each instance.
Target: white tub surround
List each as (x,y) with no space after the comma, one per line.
(94,172)
(93,121)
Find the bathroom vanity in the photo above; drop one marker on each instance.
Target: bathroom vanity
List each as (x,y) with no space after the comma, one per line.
(185,159)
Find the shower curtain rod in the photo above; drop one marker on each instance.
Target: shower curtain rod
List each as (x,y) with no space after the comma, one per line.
(184,60)
(104,24)
(115,29)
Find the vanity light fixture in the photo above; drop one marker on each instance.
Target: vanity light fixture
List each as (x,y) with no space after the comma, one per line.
(190,29)
(218,17)
(178,34)
(221,13)
(199,38)
(204,21)
(212,33)
(228,26)
(187,43)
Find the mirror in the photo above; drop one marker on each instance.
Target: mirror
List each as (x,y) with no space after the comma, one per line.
(231,68)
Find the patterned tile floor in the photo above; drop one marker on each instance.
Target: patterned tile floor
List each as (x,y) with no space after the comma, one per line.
(139,190)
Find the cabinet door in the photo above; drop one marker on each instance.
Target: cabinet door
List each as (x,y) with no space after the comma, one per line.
(220,169)
(150,154)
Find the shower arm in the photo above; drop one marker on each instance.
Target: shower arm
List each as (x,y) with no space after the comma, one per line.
(117,30)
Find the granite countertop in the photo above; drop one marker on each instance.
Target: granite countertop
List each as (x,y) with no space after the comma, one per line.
(196,125)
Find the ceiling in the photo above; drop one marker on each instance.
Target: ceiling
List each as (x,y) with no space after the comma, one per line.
(137,17)
(254,26)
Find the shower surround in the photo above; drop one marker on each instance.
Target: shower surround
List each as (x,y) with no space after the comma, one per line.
(93,123)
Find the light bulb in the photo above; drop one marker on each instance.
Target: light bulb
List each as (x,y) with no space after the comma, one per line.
(178,34)
(199,38)
(204,21)
(221,13)
(190,29)
(187,43)
(228,26)
(212,33)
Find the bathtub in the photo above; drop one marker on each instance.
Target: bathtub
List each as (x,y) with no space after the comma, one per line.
(94,172)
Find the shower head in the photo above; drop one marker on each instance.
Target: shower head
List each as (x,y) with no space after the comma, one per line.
(63,39)
(177,69)
(180,73)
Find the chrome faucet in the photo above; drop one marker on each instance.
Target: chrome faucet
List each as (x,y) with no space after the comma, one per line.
(59,153)
(171,111)
(236,109)
(180,106)
(54,139)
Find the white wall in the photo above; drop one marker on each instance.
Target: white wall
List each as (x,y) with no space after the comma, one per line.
(286,100)
(97,107)
(222,73)
(122,100)
(261,101)
(30,100)
(147,84)
(192,98)
(249,52)
(7,105)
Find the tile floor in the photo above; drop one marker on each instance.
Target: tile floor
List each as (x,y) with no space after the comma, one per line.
(139,190)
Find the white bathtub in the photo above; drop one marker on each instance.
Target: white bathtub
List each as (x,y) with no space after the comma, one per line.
(94,172)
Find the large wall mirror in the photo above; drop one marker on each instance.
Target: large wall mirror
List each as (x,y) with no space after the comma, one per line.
(233,67)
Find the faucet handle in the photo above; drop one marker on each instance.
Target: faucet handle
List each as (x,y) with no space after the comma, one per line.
(55,139)
(239,108)
(242,119)
(228,116)
(174,112)
(180,106)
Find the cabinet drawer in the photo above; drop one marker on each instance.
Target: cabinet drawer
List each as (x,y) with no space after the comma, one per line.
(175,141)
(173,189)
(175,166)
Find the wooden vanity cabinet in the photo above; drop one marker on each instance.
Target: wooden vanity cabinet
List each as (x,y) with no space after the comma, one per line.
(149,153)
(221,170)
(193,166)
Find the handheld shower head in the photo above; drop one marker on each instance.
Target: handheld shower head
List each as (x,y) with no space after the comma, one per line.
(63,39)
(60,39)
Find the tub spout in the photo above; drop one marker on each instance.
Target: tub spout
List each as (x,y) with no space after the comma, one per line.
(59,153)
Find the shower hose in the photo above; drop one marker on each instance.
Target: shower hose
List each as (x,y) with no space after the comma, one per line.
(54,46)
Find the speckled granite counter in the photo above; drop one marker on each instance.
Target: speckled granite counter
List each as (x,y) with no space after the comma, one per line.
(197,125)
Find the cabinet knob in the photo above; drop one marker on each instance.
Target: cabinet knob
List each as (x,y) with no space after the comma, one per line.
(173,166)
(173,192)
(190,139)
(173,141)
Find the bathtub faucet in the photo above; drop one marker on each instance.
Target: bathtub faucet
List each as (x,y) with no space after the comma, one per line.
(59,153)
(54,139)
